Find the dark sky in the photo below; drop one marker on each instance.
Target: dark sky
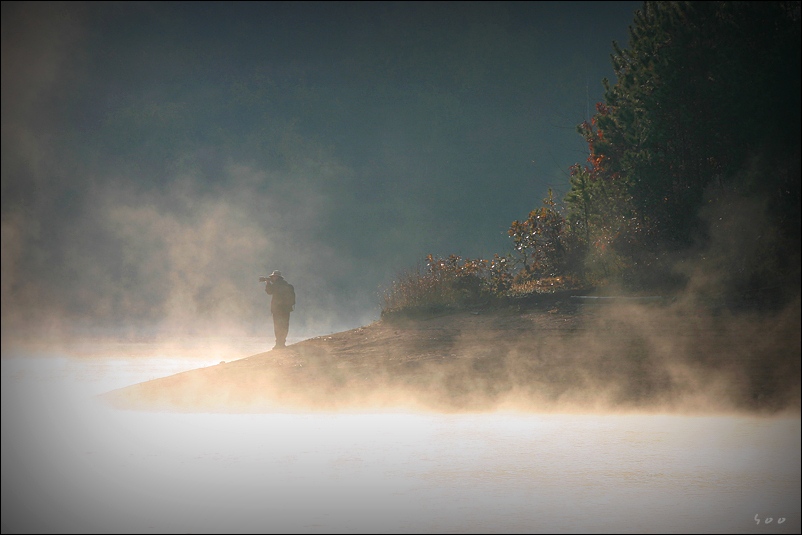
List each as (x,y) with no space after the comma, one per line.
(157,158)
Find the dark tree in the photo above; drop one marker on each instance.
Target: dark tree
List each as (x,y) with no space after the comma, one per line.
(706,104)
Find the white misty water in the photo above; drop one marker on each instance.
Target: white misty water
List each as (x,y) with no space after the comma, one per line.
(72,465)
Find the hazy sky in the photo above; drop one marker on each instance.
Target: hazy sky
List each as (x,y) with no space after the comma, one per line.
(157,158)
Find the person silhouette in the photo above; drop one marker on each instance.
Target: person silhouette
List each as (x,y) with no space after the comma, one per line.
(281,305)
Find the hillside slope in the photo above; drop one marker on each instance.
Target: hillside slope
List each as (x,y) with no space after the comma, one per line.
(557,355)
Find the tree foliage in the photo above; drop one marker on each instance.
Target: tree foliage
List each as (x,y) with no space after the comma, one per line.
(707,102)
(538,241)
(694,151)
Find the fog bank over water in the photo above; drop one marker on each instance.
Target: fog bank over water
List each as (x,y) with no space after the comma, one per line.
(74,465)
(70,465)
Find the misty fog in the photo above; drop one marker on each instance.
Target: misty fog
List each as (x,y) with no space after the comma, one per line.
(159,158)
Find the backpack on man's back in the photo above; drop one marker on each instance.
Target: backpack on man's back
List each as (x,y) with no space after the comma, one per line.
(284,294)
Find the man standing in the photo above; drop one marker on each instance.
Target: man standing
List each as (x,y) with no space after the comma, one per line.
(282,303)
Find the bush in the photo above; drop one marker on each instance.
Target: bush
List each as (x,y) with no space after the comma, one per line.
(447,283)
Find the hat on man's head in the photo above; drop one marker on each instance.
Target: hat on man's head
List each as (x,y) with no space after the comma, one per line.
(276,274)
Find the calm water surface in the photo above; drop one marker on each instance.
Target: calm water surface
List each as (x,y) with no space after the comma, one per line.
(72,465)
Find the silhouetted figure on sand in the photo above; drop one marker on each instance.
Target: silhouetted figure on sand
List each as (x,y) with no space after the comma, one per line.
(281,305)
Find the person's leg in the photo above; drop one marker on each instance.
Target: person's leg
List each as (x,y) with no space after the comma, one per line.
(285,326)
(281,326)
(277,329)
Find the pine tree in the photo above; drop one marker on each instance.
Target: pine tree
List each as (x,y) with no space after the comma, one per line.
(704,92)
